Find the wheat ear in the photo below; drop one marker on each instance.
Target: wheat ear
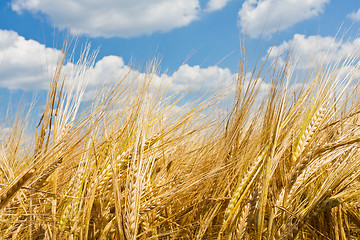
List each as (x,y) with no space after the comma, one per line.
(242,223)
(37,184)
(131,213)
(9,191)
(242,186)
(309,132)
(208,218)
(133,194)
(241,191)
(107,174)
(122,163)
(248,178)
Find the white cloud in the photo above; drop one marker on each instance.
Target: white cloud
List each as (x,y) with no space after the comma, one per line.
(355,16)
(313,51)
(122,18)
(109,68)
(201,79)
(215,5)
(23,62)
(29,65)
(265,17)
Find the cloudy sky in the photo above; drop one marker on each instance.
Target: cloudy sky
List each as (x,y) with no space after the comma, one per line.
(195,39)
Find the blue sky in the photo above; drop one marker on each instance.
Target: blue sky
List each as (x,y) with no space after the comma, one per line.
(192,37)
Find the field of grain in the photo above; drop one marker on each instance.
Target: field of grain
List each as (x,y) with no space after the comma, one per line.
(283,164)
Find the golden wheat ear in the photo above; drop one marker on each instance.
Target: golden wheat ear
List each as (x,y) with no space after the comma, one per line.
(46,173)
(309,132)
(10,190)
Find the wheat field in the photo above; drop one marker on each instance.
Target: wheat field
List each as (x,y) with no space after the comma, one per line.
(283,164)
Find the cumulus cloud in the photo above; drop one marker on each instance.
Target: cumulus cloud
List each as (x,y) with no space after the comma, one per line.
(24,63)
(109,68)
(312,51)
(110,18)
(29,65)
(200,80)
(265,17)
(355,16)
(215,5)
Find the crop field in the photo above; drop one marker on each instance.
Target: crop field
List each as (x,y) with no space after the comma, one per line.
(134,164)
